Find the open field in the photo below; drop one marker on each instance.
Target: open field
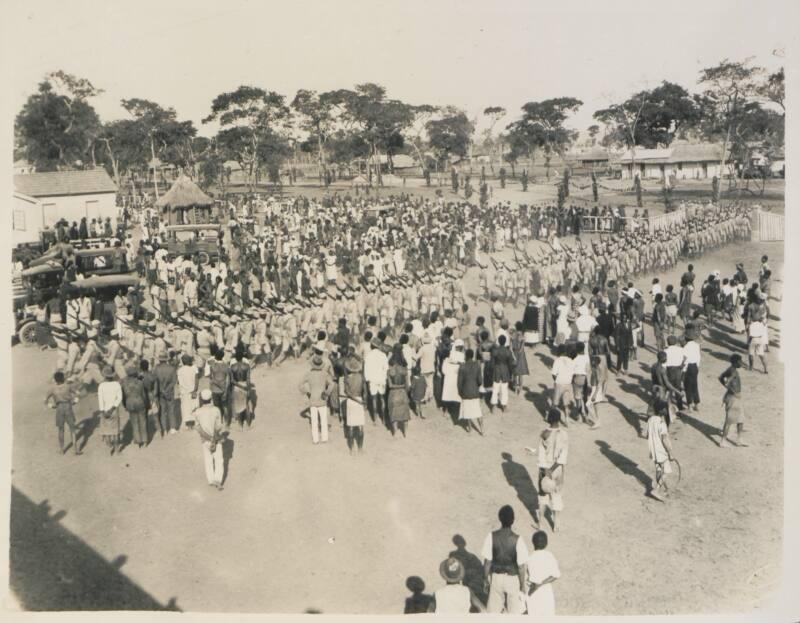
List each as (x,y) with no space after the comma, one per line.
(301,527)
(544,193)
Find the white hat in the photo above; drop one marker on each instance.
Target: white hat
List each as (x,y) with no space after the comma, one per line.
(458,342)
(206,394)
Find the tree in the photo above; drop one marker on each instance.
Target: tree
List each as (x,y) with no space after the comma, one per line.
(249,119)
(495,113)
(542,127)
(211,168)
(593,130)
(774,89)
(421,114)
(637,186)
(653,117)
(123,147)
(376,120)
(56,127)
(728,86)
(622,120)
(450,135)
(317,119)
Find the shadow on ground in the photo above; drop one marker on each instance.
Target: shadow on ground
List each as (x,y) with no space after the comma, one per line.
(52,569)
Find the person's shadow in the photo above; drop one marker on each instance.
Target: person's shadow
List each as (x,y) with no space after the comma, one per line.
(419,601)
(706,429)
(539,399)
(518,477)
(227,455)
(473,568)
(631,416)
(624,464)
(85,428)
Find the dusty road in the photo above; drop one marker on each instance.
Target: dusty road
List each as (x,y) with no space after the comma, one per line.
(301,527)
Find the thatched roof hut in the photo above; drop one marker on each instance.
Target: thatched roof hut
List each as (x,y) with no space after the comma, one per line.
(186,203)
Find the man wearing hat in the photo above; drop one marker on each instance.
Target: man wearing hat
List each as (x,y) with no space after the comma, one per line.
(454,598)
(208,422)
(317,385)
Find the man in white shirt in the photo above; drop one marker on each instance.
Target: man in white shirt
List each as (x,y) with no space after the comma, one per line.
(208,422)
(691,368)
(585,322)
(674,366)
(109,398)
(426,355)
(376,367)
(563,370)
(542,570)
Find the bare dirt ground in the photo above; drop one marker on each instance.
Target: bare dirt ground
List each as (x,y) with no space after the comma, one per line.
(541,192)
(311,528)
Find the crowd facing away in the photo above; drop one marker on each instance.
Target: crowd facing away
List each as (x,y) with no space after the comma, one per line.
(371,296)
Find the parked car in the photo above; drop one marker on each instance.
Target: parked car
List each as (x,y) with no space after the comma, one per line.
(201,239)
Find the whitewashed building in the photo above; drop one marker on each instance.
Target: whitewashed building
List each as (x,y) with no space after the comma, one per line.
(40,200)
(686,161)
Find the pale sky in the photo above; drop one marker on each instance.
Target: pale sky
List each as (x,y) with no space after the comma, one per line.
(463,53)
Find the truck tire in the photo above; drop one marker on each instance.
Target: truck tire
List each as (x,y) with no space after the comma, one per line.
(27,334)
(203,257)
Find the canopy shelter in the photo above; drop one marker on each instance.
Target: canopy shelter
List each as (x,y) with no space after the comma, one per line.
(186,204)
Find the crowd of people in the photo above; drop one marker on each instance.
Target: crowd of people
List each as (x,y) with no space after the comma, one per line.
(378,309)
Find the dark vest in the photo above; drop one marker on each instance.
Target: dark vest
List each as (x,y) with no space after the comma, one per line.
(504,551)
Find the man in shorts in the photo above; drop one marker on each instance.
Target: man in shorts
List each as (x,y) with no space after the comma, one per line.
(61,398)
(756,333)
(734,414)
(563,371)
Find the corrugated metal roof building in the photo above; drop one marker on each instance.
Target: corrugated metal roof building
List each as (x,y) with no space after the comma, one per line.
(40,200)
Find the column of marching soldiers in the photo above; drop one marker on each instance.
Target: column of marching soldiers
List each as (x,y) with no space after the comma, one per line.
(319,279)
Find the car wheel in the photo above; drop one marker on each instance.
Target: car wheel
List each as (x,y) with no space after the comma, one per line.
(27,334)
(203,257)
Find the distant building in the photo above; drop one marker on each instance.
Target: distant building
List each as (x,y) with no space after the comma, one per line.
(40,200)
(775,160)
(686,161)
(23,167)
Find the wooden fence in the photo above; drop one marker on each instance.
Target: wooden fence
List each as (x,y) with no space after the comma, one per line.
(663,221)
(767,226)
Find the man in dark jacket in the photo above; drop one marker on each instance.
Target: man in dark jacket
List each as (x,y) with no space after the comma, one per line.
(469,390)
(502,366)
(504,555)
(134,398)
(167,374)
(150,382)
(623,341)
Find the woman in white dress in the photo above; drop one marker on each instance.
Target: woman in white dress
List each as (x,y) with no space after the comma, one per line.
(563,329)
(450,368)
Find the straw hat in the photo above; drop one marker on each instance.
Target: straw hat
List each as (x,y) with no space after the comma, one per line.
(451,570)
